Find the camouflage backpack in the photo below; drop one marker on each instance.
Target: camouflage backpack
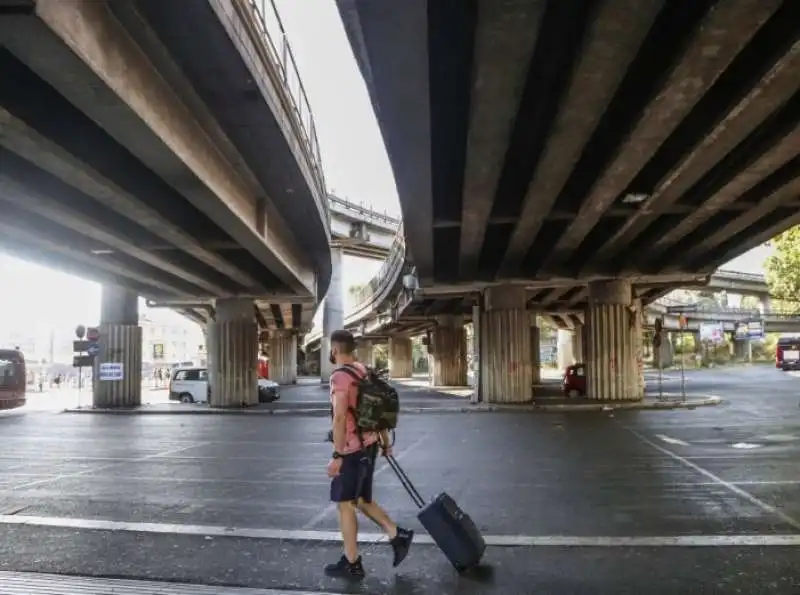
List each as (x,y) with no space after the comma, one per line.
(377,404)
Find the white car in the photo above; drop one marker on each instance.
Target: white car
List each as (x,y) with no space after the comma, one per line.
(190,385)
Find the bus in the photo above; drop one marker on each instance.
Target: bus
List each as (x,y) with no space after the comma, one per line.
(13,379)
(787,353)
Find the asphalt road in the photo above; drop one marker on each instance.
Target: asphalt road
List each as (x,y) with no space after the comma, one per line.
(703,501)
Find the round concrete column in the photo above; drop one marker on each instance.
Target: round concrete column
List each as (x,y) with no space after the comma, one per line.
(506,348)
(120,344)
(610,362)
(233,354)
(400,357)
(449,352)
(332,313)
(283,356)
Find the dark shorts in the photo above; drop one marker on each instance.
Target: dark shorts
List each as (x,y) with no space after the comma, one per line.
(355,479)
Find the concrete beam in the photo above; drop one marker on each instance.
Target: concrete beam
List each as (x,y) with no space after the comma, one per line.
(778,85)
(23,235)
(398,45)
(48,155)
(505,40)
(611,45)
(177,147)
(725,28)
(54,210)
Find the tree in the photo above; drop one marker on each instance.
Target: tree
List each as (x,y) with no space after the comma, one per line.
(783,266)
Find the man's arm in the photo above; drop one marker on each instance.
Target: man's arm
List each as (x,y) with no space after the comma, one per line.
(340,412)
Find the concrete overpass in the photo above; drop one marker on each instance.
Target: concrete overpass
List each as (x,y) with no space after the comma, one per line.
(167,153)
(600,152)
(361,231)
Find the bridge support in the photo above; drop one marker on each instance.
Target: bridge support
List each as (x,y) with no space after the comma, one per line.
(449,352)
(120,343)
(401,363)
(364,352)
(743,350)
(233,354)
(612,370)
(664,356)
(570,346)
(536,353)
(283,356)
(332,313)
(506,358)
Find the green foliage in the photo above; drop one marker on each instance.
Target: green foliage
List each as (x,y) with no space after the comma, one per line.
(783,266)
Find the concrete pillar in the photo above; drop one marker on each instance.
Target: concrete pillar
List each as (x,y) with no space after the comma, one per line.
(765,304)
(477,338)
(664,356)
(565,349)
(536,356)
(578,343)
(233,354)
(332,313)
(364,352)
(743,350)
(283,356)
(637,342)
(506,359)
(449,352)
(121,344)
(611,373)
(400,357)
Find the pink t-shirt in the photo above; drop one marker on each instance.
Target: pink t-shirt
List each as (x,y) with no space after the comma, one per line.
(342,381)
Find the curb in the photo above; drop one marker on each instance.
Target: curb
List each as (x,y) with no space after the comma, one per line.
(556,408)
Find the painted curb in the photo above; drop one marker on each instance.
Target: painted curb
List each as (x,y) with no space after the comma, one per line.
(556,408)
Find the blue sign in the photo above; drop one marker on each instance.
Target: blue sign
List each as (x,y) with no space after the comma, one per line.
(93,349)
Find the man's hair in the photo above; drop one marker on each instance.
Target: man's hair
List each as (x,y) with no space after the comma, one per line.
(344,340)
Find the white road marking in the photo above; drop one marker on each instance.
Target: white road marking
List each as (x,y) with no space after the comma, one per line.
(719,481)
(25,583)
(214,531)
(331,507)
(746,445)
(671,440)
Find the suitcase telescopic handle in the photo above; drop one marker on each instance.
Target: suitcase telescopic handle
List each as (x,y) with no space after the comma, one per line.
(406,482)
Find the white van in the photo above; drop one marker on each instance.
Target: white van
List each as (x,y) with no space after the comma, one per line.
(189,385)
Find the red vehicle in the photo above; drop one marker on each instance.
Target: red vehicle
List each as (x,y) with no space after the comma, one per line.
(12,379)
(787,353)
(574,381)
(263,367)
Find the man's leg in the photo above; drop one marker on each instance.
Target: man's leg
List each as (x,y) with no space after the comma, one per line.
(400,539)
(344,492)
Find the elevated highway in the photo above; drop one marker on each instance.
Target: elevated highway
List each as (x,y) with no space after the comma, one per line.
(167,153)
(572,154)
(361,231)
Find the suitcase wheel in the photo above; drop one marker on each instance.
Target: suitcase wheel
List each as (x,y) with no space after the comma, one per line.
(460,568)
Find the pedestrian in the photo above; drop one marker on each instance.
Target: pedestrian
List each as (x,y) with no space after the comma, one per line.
(352,465)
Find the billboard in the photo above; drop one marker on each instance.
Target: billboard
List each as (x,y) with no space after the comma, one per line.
(712,332)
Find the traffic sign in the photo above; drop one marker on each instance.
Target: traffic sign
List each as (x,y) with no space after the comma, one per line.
(682,309)
(82,361)
(158,351)
(93,333)
(80,331)
(111,371)
(80,346)
(93,349)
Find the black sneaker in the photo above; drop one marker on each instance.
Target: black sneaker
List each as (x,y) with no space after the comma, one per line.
(401,544)
(346,569)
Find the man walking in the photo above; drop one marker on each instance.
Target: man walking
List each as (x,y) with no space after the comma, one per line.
(352,465)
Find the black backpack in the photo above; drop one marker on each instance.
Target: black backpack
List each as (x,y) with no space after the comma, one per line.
(377,405)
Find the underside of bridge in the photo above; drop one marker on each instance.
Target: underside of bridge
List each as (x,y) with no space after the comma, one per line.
(573,140)
(142,147)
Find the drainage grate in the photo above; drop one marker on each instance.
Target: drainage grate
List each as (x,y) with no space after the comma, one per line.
(31,583)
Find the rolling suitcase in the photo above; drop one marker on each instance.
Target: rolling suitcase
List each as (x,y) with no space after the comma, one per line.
(450,527)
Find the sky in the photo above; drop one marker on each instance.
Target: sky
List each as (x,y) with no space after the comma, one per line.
(354,159)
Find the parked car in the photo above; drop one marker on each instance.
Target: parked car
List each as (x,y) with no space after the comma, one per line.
(268,390)
(574,380)
(190,385)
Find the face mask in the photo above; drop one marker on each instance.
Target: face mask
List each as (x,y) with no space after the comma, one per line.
(332,358)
